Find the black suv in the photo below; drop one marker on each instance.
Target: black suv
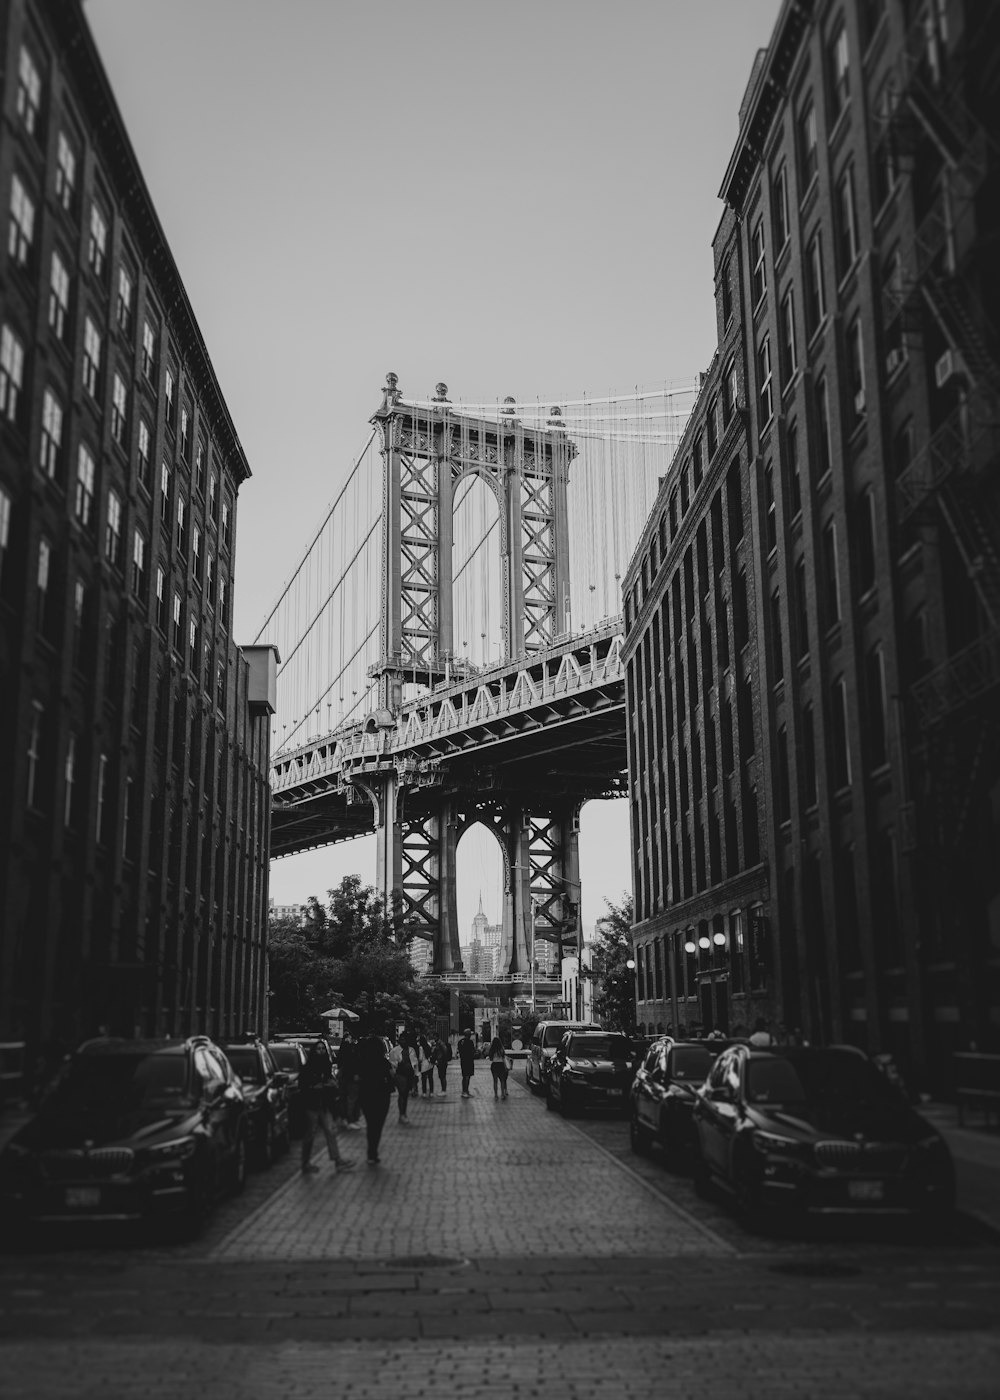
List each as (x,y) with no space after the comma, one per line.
(129,1130)
(265,1088)
(590,1069)
(663,1093)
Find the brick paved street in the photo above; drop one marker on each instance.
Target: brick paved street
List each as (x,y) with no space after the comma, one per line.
(499,1251)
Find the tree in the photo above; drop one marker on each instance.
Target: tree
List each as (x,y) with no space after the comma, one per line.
(614,993)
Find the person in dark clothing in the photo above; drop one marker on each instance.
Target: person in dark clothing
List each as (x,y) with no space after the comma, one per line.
(317,1093)
(375,1088)
(425,1066)
(441,1054)
(347,1074)
(499,1067)
(467,1059)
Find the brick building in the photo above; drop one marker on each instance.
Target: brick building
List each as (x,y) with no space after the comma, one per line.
(134,734)
(862,201)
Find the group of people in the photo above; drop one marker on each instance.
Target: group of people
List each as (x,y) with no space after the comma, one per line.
(369,1071)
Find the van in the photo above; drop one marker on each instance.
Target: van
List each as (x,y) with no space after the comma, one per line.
(544,1044)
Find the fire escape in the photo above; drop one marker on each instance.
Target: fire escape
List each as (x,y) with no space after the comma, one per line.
(952,481)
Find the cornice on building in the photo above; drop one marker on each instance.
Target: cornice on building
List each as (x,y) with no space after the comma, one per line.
(764,100)
(68,24)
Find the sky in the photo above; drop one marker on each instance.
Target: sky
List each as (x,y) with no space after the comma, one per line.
(514,198)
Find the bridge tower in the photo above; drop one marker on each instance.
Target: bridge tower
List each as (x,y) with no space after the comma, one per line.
(427,451)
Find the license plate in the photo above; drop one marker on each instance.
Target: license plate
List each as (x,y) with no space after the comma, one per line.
(614,1093)
(865,1190)
(83,1196)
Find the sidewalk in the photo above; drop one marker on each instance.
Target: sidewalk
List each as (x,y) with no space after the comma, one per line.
(976,1152)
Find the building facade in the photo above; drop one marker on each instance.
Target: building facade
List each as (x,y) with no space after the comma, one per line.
(863,199)
(134,733)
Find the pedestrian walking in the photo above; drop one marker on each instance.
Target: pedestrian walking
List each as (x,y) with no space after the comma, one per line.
(375,1088)
(441,1054)
(404,1076)
(425,1066)
(347,1076)
(317,1093)
(467,1059)
(499,1067)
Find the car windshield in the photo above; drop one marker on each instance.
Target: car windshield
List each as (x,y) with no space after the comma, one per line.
(773,1081)
(118,1083)
(599,1047)
(840,1075)
(552,1036)
(690,1062)
(286,1057)
(246,1062)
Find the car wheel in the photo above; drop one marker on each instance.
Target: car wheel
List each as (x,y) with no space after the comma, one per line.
(239,1169)
(637,1136)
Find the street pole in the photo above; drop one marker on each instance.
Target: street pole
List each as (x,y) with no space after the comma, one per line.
(532,901)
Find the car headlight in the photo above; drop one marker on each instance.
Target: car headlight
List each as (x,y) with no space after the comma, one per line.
(767,1143)
(176,1150)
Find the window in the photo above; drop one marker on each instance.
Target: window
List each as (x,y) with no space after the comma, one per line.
(196,553)
(902,448)
(764,378)
(729,395)
(29,91)
(42,579)
(808,145)
(138,564)
(789,361)
(170,396)
(841,752)
(777,650)
(11,374)
(779,198)
(220,685)
(102,794)
(866,540)
(831,571)
(97,241)
(193,644)
(712,432)
(199,468)
(808,756)
(794,477)
(65,171)
(784,787)
(223,598)
(212,496)
(52,426)
(161,599)
(847,229)
(79,619)
(119,409)
(815,299)
(58,296)
(885,173)
(770,509)
(143,454)
(726,279)
(186,435)
(177,623)
(210,578)
(165,495)
(148,353)
(875,678)
(22,223)
(824,445)
(123,306)
(83,507)
(801,609)
(4,531)
(34,751)
(758,277)
(855,371)
(181,523)
(685,488)
(226,523)
(734,504)
(69,778)
(113,531)
(91,357)
(839,73)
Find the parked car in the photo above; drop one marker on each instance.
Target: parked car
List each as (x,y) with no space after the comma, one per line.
(265,1088)
(290,1056)
(543,1046)
(129,1130)
(663,1093)
(818,1129)
(590,1069)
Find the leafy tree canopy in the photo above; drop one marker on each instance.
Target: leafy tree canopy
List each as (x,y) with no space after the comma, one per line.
(614,993)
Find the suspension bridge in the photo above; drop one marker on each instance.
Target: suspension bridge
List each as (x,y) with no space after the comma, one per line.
(450,650)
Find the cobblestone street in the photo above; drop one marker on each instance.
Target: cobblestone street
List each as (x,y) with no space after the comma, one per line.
(498,1250)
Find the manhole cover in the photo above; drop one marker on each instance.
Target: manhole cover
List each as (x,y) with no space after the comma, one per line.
(815,1268)
(422,1261)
